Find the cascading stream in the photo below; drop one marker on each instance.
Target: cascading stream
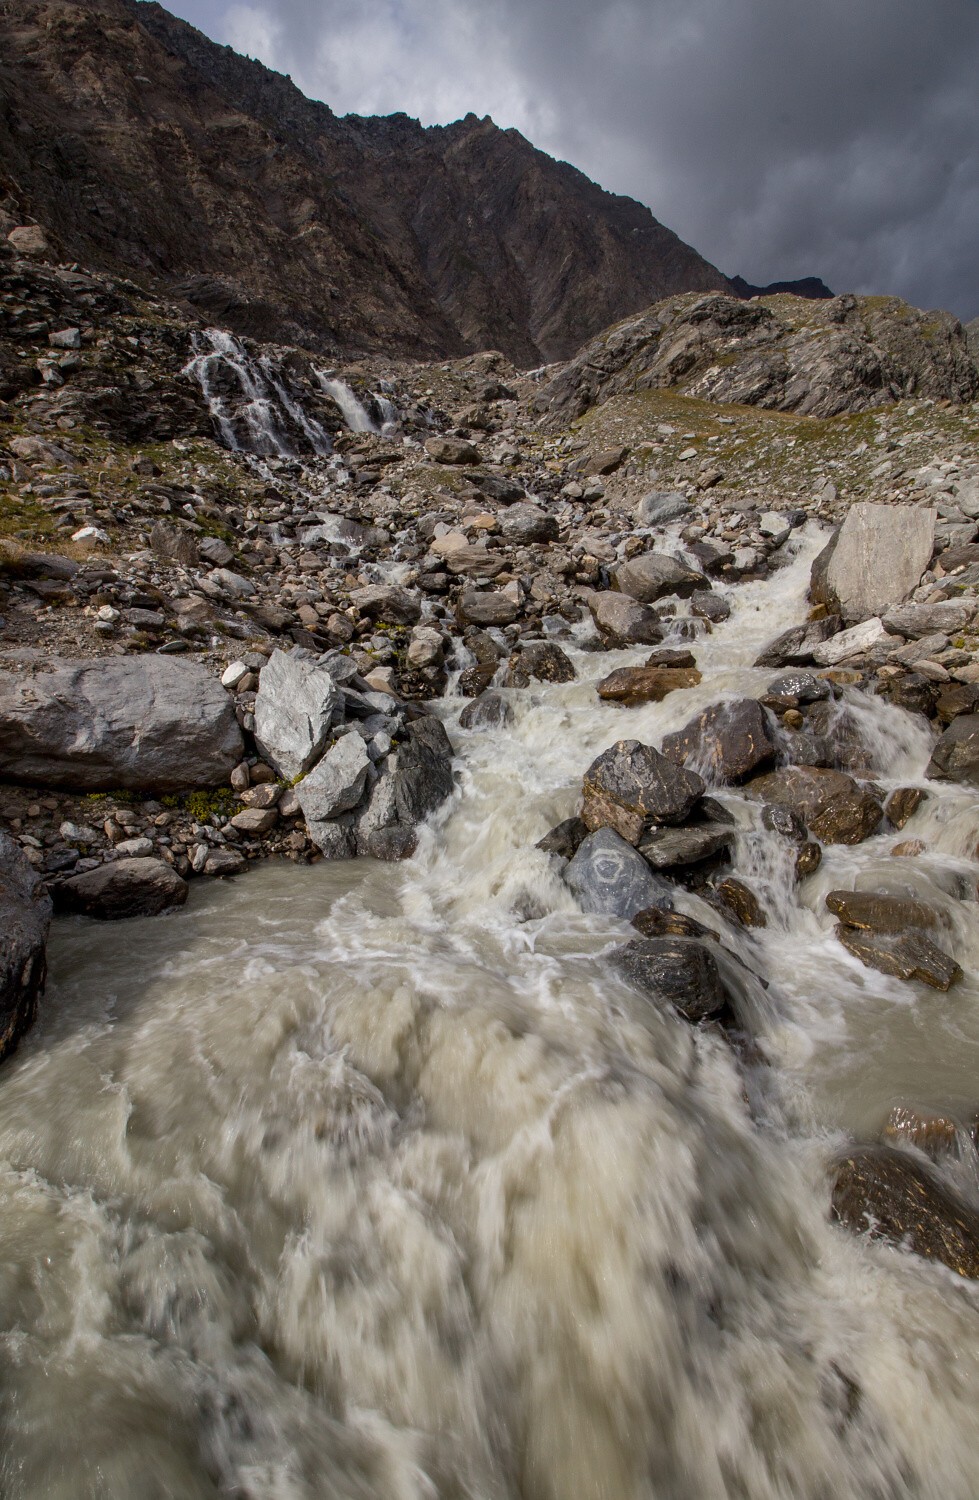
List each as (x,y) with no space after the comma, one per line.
(375,1181)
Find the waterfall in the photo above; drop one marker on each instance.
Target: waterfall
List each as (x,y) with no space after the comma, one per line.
(253,411)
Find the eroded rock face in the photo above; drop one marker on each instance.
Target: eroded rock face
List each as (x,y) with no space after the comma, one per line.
(631,784)
(145,723)
(886,1193)
(25,917)
(726,742)
(126,888)
(875,560)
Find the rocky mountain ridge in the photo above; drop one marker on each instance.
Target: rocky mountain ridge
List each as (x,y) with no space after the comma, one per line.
(141,147)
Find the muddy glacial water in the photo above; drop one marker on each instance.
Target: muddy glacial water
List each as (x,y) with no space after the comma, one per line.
(374,1182)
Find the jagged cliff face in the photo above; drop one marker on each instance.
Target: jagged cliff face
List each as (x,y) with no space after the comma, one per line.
(142,147)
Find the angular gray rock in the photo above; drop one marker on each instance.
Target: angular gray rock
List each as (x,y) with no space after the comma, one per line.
(414,783)
(144,723)
(297,704)
(486,607)
(391,602)
(956,756)
(631,785)
(944,616)
(25,916)
(125,888)
(795,646)
(527,523)
(672,848)
(654,575)
(540,660)
(489,711)
(875,560)
(336,783)
(623,621)
(660,506)
(610,879)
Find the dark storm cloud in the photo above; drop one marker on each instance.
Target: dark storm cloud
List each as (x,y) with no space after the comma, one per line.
(838,138)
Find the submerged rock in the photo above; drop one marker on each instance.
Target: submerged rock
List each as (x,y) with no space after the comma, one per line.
(679,970)
(25,917)
(725,742)
(143,723)
(886,1193)
(908,955)
(126,888)
(610,879)
(876,911)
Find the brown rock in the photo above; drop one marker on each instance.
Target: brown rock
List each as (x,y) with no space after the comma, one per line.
(872,911)
(727,741)
(808,860)
(605,462)
(543,660)
(935,1135)
(887,1194)
(447,450)
(909,849)
(831,804)
(630,785)
(635,685)
(126,888)
(907,956)
(901,805)
(742,902)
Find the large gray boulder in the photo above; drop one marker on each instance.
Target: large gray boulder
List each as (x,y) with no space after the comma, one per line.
(623,621)
(25,916)
(144,723)
(654,575)
(610,879)
(297,703)
(125,888)
(875,560)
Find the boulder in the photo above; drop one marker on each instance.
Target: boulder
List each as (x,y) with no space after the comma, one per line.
(956,756)
(831,804)
(543,660)
(125,888)
(526,523)
(902,804)
(25,916)
(610,879)
(336,783)
(852,642)
(660,506)
(631,785)
(144,723)
(907,955)
(875,560)
(489,711)
(943,617)
(388,602)
(713,607)
(634,685)
(486,607)
(621,621)
(449,450)
(886,1193)
(565,839)
(740,900)
(678,970)
(297,704)
(795,646)
(653,575)
(726,742)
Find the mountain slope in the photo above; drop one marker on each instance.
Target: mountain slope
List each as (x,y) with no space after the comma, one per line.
(143,147)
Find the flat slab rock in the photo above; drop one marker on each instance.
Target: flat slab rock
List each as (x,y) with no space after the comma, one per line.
(886,1193)
(144,723)
(124,888)
(635,685)
(25,917)
(726,742)
(631,785)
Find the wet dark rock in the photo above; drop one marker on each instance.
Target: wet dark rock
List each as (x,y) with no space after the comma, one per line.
(635,685)
(808,860)
(741,901)
(489,711)
(783,820)
(713,607)
(901,805)
(908,955)
(938,1136)
(956,756)
(668,656)
(610,879)
(799,687)
(878,912)
(727,742)
(678,970)
(140,887)
(888,1194)
(145,723)
(667,848)
(631,785)
(912,692)
(413,784)
(525,524)
(795,647)
(653,576)
(540,660)
(25,917)
(565,839)
(834,808)
(656,921)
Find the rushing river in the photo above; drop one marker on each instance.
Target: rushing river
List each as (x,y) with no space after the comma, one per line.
(374,1181)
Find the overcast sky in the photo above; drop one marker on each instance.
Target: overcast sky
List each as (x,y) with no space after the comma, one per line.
(781,138)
